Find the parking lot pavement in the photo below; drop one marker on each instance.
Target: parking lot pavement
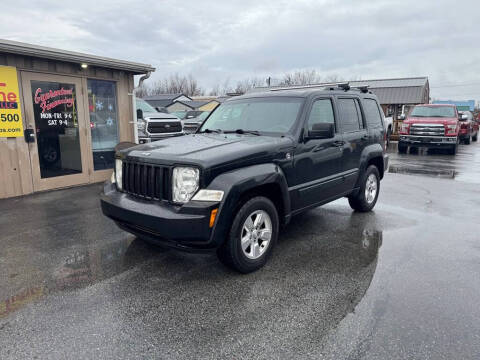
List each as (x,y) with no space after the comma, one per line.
(400,282)
(464,166)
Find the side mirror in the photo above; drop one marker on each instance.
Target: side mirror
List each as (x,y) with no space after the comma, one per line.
(321,131)
(139,114)
(402,117)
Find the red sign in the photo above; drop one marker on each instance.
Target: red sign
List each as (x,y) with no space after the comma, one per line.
(52,98)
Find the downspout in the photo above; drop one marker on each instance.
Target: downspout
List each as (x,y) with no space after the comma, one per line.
(134,105)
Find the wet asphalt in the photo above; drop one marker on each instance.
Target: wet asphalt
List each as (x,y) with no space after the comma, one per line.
(402,282)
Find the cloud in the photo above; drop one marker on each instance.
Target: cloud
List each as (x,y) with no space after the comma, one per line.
(234,40)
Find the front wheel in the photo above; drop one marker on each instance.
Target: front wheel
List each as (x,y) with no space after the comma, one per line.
(468,140)
(402,148)
(252,236)
(367,196)
(453,150)
(475,138)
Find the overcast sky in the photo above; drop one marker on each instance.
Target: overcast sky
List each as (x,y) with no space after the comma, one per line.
(220,40)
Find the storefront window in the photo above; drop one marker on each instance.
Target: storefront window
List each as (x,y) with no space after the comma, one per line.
(102,106)
(56,122)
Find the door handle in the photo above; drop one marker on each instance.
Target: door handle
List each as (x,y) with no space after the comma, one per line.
(338,143)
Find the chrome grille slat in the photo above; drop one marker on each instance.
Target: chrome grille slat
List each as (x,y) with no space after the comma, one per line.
(427,129)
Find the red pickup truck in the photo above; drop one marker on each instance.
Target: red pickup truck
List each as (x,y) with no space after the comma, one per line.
(431,126)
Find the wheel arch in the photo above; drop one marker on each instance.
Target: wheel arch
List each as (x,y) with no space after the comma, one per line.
(242,184)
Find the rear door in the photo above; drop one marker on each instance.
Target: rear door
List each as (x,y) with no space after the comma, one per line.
(355,137)
(317,162)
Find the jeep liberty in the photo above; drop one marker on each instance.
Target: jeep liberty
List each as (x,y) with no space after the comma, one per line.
(255,162)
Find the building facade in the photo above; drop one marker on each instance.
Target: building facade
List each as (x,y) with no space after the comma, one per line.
(64,114)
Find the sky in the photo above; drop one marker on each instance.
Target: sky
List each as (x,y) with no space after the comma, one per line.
(227,41)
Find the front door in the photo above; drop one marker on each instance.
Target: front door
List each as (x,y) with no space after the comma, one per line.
(318,162)
(55,110)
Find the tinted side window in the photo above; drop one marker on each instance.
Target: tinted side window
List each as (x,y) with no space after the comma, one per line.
(349,119)
(322,112)
(372,113)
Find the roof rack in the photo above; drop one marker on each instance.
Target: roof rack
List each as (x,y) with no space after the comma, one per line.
(345,86)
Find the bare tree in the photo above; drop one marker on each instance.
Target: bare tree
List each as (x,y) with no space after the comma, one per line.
(244,85)
(174,84)
(301,77)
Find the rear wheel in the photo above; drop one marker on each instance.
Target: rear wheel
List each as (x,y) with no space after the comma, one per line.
(252,236)
(367,196)
(402,148)
(475,138)
(468,140)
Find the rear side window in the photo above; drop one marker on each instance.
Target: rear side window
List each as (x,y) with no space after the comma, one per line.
(372,113)
(322,112)
(350,119)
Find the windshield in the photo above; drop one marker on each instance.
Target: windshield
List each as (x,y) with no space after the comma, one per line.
(433,111)
(270,115)
(144,106)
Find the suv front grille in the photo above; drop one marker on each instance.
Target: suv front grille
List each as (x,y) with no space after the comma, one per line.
(162,127)
(427,129)
(146,180)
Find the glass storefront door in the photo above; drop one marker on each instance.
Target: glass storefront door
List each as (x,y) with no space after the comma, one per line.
(55,109)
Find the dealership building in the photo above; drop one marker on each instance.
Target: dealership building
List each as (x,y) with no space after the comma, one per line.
(61,115)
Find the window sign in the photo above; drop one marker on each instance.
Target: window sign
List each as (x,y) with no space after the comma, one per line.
(102,106)
(56,123)
(11,124)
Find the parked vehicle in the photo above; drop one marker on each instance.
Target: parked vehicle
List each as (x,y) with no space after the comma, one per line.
(388,128)
(258,160)
(193,121)
(431,126)
(154,125)
(468,127)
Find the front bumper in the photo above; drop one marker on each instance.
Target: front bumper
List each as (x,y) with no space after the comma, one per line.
(183,227)
(428,141)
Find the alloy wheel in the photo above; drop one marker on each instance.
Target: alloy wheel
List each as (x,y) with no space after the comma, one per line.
(256,234)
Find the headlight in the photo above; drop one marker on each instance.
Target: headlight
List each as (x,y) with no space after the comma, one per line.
(140,124)
(451,128)
(404,128)
(208,195)
(118,173)
(185,183)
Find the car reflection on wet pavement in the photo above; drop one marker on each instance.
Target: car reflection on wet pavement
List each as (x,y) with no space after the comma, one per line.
(400,282)
(464,166)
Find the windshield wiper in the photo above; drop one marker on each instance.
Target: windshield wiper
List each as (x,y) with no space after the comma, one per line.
(241,131)
(217,131)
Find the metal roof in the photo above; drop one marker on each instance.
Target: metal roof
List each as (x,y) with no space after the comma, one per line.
(388,91)
(164,96)
(15,47)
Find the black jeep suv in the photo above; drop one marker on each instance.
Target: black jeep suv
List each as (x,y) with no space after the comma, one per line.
(255,162)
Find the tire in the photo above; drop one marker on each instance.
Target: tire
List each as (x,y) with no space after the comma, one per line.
(468,140)
(402,148)
(359,202)
(453,150)
(475,138)
(251,256)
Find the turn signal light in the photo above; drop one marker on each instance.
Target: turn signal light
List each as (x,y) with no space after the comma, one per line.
(213,215)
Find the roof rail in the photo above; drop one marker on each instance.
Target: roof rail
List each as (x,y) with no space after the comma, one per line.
(298,87)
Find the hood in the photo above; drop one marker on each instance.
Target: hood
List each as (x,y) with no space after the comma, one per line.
(431,120)
(210,150)
(158,116)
